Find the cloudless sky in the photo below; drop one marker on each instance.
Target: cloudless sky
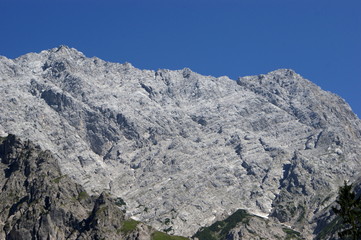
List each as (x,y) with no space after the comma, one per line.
(319,39)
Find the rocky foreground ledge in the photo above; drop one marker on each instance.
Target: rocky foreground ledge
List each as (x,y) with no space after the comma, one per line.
(38,202)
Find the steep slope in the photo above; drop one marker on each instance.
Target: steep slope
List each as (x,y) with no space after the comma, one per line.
(241,225)
(329,224)
(37,202)
(185,150)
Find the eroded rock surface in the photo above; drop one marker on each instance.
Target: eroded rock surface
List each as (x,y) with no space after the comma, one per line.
(184,150)
(37,202)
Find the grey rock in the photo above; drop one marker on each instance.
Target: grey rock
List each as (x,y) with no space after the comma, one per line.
(181,146)
(37,202)
(242,225)
(258,229)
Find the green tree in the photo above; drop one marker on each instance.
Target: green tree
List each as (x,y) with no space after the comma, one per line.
(349,210)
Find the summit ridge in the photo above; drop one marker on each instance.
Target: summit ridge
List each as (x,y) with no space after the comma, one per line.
(180,146)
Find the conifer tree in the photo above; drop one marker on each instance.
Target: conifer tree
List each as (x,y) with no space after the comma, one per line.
(350,212)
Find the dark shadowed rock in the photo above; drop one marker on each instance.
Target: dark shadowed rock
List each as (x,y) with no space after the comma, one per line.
(38,202)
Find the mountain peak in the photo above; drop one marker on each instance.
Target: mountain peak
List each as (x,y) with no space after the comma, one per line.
(63,47)
(283,71)
(180,148)
(66,51)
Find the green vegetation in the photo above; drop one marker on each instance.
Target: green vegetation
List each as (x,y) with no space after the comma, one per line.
(120,202)
(291,234)
(220,229)
(350,212)
(167,230)
(102,209)
(167,221)
(57,180)
(329,229)
(206,234)
(145,208)
(302,213)
(291,208)
(129,226)
(163,236)
(82,195)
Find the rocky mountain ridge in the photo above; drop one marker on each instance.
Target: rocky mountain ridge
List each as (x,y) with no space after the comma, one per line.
(182,149)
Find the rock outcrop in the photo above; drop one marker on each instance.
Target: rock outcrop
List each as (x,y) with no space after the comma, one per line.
(184,150)
(38,202)
(242,225)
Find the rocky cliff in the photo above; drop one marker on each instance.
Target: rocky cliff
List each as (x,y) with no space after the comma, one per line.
(184,150)
(38,202)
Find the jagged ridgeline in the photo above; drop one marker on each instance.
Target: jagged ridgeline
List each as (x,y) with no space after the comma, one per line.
(185,150)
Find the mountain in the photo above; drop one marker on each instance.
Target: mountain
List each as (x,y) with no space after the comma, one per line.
(38,202)
(185,150)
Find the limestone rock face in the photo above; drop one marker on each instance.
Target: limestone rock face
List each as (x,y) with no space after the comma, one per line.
(184,150)
(37,202)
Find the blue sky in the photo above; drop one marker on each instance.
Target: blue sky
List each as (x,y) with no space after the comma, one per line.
(319,39)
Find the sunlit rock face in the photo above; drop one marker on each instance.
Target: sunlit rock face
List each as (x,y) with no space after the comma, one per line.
(182,149)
